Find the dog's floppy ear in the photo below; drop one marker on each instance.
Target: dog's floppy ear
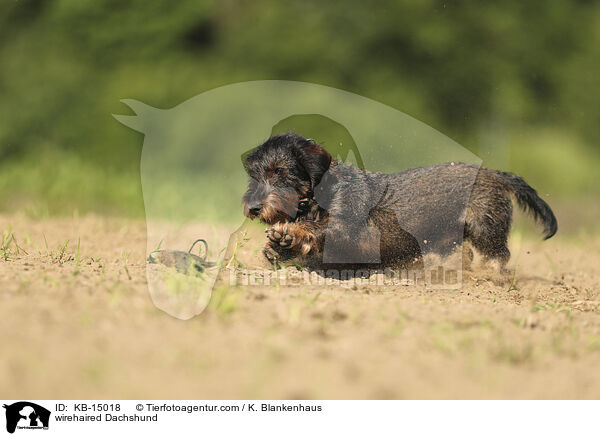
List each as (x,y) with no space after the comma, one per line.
(244,158)
(315,160)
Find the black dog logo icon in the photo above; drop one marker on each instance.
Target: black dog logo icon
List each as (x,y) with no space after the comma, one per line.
(26,415)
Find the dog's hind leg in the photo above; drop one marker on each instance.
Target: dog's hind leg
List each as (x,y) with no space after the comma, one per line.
(467,256)
(486,228)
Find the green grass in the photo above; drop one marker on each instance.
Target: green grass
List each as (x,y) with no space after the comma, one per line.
(9,248)
(60,183)
(224,301)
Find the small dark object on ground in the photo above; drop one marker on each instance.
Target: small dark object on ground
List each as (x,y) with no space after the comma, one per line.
(184,262)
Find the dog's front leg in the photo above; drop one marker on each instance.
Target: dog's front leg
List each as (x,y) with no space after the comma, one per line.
(291,240)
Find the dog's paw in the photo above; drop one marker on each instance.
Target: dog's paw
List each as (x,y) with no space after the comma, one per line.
(287,241)
(279,235)
(280,244)
(277,253)
(271,254)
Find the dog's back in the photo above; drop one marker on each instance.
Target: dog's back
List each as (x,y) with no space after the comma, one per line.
(439,205)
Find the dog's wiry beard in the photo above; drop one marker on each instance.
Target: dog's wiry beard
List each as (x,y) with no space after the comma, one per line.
(276,204)
(279,207)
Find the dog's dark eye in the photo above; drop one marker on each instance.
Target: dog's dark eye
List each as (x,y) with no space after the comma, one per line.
(278,171)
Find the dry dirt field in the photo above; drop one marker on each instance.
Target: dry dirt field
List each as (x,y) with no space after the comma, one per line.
(79,323)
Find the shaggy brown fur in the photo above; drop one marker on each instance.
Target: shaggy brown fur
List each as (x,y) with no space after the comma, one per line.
(329,215)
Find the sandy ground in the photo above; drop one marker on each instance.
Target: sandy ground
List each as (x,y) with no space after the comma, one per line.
(80,324)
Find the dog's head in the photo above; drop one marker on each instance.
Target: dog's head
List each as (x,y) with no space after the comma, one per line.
(283,172)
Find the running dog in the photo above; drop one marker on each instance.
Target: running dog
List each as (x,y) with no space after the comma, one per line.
(325,214)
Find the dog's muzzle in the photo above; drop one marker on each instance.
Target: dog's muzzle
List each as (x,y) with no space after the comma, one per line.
(273,205)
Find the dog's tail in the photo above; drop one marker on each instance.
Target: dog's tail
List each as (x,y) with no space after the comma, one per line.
(529,201)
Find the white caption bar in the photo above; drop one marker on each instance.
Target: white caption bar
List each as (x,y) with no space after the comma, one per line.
(23,417)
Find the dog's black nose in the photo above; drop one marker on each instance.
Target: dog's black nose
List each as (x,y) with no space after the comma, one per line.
(255,210)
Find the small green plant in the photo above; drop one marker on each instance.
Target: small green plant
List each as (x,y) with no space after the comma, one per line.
(594,343)
(239,243)
(48,252)
(310,301)
(101,264)
(224,301)
(125,260)
(60,256)
(62,250)
(9,246)
(512,286)
(77,258)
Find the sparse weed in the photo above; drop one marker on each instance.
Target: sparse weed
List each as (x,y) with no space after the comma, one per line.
(9,246)
(294,312)
(239,243)
(77,258)
(512,286)
(513,354)
(48,252)
(62,250)
(49,280)
(101,264)
(310,301)
(223,301)
(594,343)
(60,256)
(125,260)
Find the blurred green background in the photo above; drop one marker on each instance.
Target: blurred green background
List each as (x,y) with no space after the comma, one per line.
(517,83)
